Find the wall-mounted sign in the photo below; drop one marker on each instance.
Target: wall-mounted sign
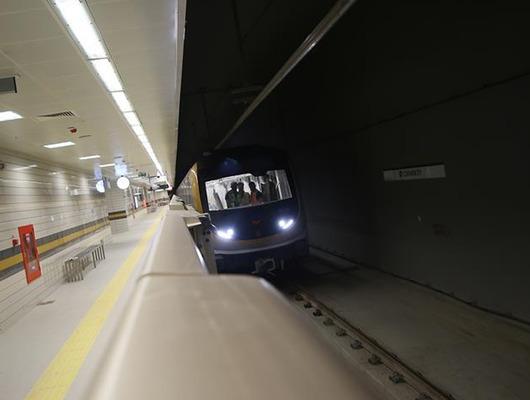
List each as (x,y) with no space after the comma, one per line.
(30,253)
(410,173)
(120,169)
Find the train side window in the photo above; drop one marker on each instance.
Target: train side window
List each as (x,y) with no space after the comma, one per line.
(247,190)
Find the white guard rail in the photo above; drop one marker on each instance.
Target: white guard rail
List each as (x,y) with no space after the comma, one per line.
(187,334)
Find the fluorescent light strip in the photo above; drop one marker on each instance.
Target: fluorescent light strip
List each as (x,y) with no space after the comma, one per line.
(90,157)
(121,100)
(26,167)
(108,74)
(9,116)
(59,145)
(107,165)
(139,130)
(131,118)
(78,21)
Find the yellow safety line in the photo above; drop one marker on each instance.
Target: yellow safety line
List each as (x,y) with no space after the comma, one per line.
(56,380)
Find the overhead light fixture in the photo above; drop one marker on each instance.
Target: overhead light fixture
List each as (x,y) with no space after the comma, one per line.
(100,186)
(139,130)
(108,74)
(123,182)
(143,140)
(26,167)
(107,165)
(58,145)
(9,116)
(131,118)
(122,101)
(90,157)
(78,21)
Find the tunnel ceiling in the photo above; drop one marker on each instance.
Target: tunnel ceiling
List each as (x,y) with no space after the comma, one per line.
(232,48)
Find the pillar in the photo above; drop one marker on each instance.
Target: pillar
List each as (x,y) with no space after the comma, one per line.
(117,203)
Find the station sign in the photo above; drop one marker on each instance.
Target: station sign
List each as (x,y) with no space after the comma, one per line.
(421,172)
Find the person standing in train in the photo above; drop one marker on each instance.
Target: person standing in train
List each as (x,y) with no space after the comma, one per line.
(256,197)
(231,196)
(243,198)
(269,189)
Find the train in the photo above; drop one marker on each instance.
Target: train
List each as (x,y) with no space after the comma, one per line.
(250,195)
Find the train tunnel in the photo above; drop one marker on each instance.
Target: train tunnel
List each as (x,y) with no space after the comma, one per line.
(380,251)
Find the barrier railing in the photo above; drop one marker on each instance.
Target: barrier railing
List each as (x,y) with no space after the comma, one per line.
(188,334)
(74,268)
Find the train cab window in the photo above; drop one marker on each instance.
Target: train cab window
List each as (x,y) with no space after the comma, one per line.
(247,190)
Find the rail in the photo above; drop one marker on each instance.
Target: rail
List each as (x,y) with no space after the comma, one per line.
(190,334)
(74,268)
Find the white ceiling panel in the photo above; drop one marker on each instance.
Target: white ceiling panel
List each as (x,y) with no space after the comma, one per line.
(26,26)
(16,6)
(55,77)
(44,50)
(53,69)
(136,39)
(122,15)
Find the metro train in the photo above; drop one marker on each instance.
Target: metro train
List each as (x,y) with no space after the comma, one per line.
(250,195)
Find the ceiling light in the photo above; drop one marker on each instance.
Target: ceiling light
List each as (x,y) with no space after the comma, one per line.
(123,182)
(89,157)
(78,19)
(100,186)
(80,24)
(139,130)
(131,118)
(26,167)
(58,145)
(107,165)
(9,115)
(122,101)
(108,74)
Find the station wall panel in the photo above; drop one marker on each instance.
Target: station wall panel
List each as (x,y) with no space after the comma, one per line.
(67,213)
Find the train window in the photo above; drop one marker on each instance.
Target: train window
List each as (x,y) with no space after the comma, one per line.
(247,190)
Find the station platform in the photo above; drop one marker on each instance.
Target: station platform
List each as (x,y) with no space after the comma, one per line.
(48,353)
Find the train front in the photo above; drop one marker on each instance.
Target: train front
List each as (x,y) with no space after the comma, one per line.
(251,198)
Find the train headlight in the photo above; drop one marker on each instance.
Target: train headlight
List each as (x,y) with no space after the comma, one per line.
(226,234)
(285,223)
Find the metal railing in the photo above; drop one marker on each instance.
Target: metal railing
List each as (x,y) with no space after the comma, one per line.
(75,268)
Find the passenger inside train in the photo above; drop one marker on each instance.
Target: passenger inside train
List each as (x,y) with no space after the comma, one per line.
(246,190)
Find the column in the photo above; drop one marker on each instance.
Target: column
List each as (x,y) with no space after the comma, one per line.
(117,203)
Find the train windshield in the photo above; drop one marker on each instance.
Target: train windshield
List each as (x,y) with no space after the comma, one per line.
(247,190)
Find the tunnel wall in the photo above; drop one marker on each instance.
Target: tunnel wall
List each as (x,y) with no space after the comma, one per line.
(401,84)
(466,234)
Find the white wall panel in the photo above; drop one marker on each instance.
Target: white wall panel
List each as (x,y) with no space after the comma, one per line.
(54,200)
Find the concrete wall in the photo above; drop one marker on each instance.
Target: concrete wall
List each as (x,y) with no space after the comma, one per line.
(466,234)
(400,84)
(66,212)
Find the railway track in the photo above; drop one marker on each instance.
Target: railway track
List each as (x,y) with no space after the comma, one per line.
(398,380)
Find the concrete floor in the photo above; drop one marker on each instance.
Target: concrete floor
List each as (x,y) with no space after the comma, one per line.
(29,345)
(468,353)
